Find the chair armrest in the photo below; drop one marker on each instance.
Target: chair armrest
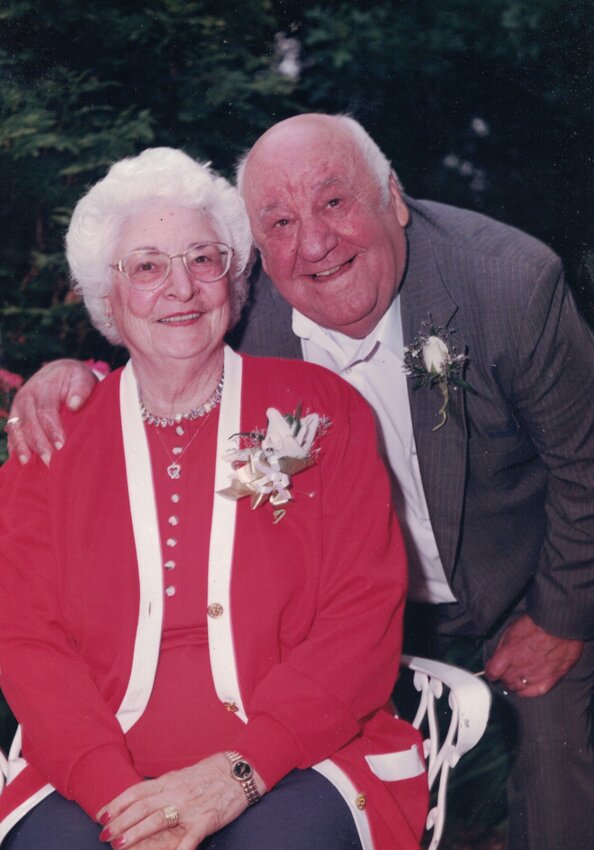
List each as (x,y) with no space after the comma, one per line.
(469,700)
(3,770)
(468,694)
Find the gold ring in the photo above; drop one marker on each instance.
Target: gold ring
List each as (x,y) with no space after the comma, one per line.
(171,815)
(14,420)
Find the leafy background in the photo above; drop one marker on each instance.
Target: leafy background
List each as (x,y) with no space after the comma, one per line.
(483,105)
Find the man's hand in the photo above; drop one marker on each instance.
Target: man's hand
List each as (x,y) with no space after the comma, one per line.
(206,796)
(38,429)
(529,660)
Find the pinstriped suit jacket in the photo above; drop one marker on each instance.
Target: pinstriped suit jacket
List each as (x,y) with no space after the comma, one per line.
(509,479)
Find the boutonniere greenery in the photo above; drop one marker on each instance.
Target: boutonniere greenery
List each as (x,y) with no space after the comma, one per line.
(264,462)
(432,361)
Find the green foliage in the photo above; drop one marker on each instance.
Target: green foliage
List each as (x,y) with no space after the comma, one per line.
(484,105)
(82,86)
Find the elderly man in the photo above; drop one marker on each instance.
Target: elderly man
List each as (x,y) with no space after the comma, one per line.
(492,457)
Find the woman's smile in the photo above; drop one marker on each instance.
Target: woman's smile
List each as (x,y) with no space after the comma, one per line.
(180,318)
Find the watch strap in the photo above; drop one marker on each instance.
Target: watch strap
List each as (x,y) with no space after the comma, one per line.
(243,772)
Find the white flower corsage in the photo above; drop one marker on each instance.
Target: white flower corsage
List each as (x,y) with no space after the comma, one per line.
(264,463)
(431,362)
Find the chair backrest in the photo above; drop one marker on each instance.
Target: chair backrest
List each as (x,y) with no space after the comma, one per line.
(11,765)
(469,700)
(3,769)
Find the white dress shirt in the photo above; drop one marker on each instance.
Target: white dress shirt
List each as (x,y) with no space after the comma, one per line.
(374,366)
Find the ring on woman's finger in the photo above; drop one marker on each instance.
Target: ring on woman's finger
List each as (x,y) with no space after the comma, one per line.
(171,815)
(14,420)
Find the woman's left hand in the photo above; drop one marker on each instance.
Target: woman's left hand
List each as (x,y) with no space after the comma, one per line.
(205,795)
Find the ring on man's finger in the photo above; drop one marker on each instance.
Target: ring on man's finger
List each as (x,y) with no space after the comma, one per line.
(14,420)
(171,815)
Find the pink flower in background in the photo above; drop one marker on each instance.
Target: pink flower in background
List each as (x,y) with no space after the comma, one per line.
(10,380)
(98,366)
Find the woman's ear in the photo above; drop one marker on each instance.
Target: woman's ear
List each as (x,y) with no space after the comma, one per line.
(107,305)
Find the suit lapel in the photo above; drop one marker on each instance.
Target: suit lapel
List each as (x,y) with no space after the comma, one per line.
(442,454)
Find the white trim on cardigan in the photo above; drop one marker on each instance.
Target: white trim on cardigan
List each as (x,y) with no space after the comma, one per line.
(11,767)
(148,549)
(347,790)
(143,509)
(220,632)
(25,807)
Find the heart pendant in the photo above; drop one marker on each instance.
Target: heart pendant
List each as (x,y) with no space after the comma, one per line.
(174,470)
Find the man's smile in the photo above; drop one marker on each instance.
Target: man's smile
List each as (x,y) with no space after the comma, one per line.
(333,271)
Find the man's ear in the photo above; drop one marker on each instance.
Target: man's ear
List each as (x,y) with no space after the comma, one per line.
(397,201)
(263,260)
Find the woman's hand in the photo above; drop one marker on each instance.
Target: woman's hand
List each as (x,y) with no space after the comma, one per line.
(205,795)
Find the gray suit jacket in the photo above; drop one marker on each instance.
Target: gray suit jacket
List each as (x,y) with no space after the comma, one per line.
(509,479)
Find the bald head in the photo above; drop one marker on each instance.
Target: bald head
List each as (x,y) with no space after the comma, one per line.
(327,215)
(331,127)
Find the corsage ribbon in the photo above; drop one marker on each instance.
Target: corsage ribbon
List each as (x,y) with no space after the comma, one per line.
(265,478)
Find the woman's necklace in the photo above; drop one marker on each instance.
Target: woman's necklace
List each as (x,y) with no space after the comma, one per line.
(174,468)
(193,413)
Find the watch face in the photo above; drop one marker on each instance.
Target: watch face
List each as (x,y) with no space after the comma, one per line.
(242,770)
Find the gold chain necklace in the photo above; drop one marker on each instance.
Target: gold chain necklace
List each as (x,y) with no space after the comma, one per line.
(174,469)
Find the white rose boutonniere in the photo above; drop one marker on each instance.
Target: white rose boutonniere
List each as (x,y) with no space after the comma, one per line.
(435,355)
(430,361)
(264,463)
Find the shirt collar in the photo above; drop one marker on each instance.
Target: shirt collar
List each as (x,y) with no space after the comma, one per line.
(347,351)
(391,329)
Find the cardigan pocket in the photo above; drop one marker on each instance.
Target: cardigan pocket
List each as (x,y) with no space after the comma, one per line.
(392,767)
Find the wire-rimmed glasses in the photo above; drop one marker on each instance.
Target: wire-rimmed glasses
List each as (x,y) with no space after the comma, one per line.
(148,269)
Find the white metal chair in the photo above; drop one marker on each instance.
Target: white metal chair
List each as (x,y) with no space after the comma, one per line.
(469,700)
(11,765)
(3,769)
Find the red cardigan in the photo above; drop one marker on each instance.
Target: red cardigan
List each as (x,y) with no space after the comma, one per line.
(316,608)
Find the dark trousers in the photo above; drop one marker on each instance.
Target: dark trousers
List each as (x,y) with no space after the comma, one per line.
(550,787)
(304,811)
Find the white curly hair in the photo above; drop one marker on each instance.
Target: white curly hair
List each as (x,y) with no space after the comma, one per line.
(155,175)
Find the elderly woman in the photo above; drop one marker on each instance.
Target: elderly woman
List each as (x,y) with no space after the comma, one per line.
(200,614)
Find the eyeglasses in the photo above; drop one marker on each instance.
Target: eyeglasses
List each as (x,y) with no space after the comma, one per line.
(206,262)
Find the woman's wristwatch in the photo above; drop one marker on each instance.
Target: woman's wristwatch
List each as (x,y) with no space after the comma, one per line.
(243,772)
